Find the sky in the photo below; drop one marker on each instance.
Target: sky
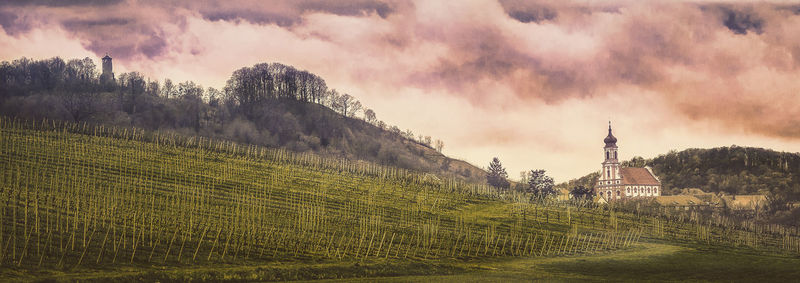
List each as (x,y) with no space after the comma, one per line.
(534,83)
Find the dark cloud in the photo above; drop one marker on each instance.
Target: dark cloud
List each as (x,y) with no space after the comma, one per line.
(692,55)
(76,24)
(153,47)
(536,16)
(528,12)
(59,3)
(288,13)
(12,23)
(646,46)
(538,11)
(348,8)
(489,56)
(130,29)
(740,21)
(124,37)
(257,17)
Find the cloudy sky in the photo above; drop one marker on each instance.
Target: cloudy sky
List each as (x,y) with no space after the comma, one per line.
(533,83)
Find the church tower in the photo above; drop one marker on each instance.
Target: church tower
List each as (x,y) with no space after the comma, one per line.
(618,183)
(610,174)
(108,70)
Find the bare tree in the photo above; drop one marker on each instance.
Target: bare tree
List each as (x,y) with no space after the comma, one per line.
(369,116)
(213,95)
(354,108)
(168,90)
(152,88)
(331,100)
(439,145)
(345,103)
(190,88)
(409,134)
(395,131)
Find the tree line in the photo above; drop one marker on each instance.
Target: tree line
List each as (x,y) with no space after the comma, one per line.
(535,182)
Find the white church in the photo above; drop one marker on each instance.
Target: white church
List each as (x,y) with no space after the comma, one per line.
(616,183)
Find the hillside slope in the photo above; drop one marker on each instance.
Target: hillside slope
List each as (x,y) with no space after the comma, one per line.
(302,127)
(79,202)
(83,198)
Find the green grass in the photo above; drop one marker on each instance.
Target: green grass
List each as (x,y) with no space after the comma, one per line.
(91,203)
(651,261)
(697,263)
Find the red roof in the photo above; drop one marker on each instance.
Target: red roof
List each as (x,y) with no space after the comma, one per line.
(637,176)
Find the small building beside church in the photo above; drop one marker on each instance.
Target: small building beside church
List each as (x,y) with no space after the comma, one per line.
(616,183)
(681,202)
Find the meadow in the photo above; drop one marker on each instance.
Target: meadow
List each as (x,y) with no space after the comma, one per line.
(89,202)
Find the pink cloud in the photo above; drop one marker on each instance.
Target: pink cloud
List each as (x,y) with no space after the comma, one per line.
(489,77)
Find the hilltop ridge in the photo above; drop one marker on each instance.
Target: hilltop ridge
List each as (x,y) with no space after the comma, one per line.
(267,104)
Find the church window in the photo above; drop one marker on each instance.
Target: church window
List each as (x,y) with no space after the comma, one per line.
(628,190)
(648,190)
(607,155)
(615,155)
(617,192)
(608,173)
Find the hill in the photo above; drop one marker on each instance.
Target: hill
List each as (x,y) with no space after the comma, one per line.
(84,202)
(730,170)
(309,127)
(86,197)
(267,104)
(733,170)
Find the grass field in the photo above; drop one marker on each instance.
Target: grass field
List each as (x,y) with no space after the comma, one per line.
(86,202)
(649,261)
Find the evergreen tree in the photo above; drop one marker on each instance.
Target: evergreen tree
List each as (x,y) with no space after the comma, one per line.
(497,176)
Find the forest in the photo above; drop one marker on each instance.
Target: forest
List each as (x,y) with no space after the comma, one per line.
(268,104)
(731,170)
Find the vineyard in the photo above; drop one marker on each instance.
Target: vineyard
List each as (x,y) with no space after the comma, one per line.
(77,196)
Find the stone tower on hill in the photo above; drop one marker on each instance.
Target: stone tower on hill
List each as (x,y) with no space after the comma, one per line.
(108,69)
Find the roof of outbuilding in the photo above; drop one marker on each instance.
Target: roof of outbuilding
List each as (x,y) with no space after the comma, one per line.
(745,202)
(637,176)
(678,200)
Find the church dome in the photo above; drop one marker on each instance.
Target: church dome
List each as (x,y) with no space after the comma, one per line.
(610,140)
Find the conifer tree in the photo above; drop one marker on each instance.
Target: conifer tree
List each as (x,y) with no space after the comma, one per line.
(497,176)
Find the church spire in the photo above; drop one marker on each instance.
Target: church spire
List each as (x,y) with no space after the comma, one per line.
(610,140)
